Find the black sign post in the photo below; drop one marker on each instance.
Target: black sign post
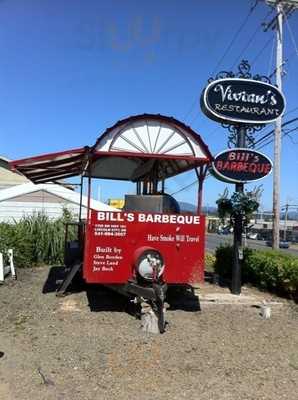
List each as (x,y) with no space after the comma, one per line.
(238,227)
(242,103)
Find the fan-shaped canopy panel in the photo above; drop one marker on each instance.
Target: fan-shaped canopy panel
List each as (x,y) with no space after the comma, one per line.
(154,144)
(154,135)
(139,148)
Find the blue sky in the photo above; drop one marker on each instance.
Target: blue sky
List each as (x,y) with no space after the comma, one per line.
(69,69)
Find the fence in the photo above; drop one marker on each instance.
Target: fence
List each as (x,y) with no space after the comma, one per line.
(7,269)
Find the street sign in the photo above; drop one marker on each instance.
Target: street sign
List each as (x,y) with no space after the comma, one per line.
(242,101)
(240,165)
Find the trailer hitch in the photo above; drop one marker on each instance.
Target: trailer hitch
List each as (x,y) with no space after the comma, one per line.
(158,305)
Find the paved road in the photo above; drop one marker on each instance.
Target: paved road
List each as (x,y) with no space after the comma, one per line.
(213,240)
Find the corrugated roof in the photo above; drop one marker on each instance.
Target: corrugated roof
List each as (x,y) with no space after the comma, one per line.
(52,167)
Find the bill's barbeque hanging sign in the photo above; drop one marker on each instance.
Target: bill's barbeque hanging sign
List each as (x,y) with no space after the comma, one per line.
(241,165)
(238,100)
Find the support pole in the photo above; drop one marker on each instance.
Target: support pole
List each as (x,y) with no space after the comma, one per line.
(286,220)
(201,175)
(277,133)
(238,224)
(200,195)
(81,197)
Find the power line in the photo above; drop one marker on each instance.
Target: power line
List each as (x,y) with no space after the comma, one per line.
(185,188)
(249,41)
(189,185)
(235,37)
(225,53)
(271,58)
(287,133)
(291,33)
(245,47)
(286,123)
(267,135)
(262,50)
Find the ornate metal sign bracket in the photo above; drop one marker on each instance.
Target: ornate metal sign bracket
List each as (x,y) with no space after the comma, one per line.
(244,72)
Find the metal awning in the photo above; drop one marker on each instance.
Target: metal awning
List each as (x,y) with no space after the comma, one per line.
(54,166)
(132,149)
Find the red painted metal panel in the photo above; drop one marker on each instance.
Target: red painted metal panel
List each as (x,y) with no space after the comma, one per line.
(113,238)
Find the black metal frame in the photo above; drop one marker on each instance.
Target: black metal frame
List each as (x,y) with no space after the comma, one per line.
(240,135)
(244,72)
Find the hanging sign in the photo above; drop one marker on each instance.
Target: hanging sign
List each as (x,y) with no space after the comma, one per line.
(241,165)
(238,100)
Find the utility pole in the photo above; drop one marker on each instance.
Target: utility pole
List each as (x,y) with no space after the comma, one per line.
(286,208)
(286,220)
(277,133)
(286,7)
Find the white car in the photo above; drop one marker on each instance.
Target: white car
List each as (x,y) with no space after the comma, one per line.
(252,235)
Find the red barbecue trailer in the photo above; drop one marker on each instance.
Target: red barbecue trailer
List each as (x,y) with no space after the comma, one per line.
(150,244)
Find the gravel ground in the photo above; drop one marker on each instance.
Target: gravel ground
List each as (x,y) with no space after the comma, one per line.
(85,346)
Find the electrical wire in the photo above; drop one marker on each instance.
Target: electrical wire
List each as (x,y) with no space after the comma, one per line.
(252,8)
(190,185)
(291,33)
(262,50)
(287,133)
(245,47)
(185,188)
(234,37)
(250,41)
(268,134)
(270,64)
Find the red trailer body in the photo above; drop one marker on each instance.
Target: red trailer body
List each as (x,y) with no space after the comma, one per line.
(114,239)
(149,245)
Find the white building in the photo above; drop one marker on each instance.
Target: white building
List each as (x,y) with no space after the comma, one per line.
(9,178)
(20,197)
(51,199)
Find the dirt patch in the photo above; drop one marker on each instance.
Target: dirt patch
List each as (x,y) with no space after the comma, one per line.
(57,348)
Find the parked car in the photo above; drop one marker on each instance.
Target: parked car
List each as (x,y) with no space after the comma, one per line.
(224,231)
(252,235)
(282,244)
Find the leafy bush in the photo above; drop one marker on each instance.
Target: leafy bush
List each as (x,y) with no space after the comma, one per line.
(35,239)
(209,262)
(224,262)
(275,271)
(272,270)
(14,236)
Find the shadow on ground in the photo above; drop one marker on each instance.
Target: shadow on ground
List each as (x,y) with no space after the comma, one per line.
(183,298)
(55,278)
(211,277)
(103,298)
(100,298)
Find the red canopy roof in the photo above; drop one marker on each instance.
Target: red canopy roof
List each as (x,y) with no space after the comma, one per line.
(129,150)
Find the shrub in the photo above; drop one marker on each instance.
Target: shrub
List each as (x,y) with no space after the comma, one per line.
(209,262)
(35,239)
(272,270)
(224,262)
(14,236)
